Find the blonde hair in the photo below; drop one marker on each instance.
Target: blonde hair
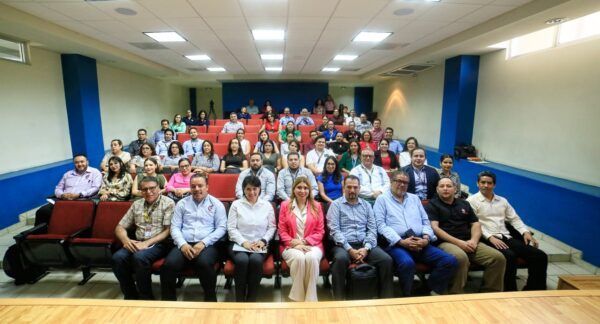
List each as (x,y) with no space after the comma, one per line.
(310,200)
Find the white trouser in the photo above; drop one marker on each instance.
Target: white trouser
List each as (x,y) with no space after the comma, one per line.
(304,269)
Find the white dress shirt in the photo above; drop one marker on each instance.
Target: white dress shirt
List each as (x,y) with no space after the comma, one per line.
(247,222)
(493,213)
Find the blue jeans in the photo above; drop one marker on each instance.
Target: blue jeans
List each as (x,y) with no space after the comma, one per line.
(127,265)
(443,267)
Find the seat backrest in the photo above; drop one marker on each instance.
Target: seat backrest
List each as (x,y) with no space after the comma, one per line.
(69,217)
(222,186)
(108,215)
(183,137)
(221,122)
(220,149)
(252,128)
(306,128)
(200,129)
(341,128)
(256,121)
(256,116)
(225,137)
(274,137)
(208,137)
(215,129)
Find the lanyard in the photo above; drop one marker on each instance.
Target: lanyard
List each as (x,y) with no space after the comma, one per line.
(354,161)
(369,173)
(147,212)
(294,175)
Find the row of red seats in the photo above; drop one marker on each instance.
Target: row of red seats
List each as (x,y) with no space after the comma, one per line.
(256,128)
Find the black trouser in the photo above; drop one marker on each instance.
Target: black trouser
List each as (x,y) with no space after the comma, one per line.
(203,265)
(376,257)
(42,215)
(248,273)
(537,264)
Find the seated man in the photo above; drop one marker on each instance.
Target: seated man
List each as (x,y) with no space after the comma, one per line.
(252,108)
(364,124)
(190,119)
(151,218)
(286,118)
(233,124)
(374,180)
(353,228)
(304,118)
(134,146)
(377,132)
(82,183)
(423,178)
(323,127)
(162,148)
(458,231)
(403,222)
(198,222)
(193,145)
(159,135)
(287,176)
(311,146)
(330,133)
(493,211)
(351,133)
(315,159)
(395,145)
(267,179)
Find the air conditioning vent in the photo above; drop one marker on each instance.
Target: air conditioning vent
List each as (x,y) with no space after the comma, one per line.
(416,67)
(390,46)
(197,69)
(149,46)
(349,69)
(398,73)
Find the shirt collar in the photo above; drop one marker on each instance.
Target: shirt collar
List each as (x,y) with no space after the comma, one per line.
(74,171)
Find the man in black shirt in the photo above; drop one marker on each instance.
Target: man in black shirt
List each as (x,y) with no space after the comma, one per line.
(458,231)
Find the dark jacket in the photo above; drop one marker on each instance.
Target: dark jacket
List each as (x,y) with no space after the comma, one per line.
(393,159)
(432,179)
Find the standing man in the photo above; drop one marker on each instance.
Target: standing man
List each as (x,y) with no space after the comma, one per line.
(81,183)
(267,179)
(458,231)
(151,218)
(252,108)
(287,176)
(159,135)
(403,222)
(423,178)
(199,221)
(134,146)
(353,227)
(374,180)
(494,212)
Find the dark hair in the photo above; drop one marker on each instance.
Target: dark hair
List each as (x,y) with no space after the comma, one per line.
(122,169)
(153,160)
(164,120)
(200,114)
(318,138)
(212,148)
(293,153)
(487,174)
(199,175)
(118,141)
(260,134)
(230,152)
(78,155)
(377,119)
(405,149)
(351,177)
(169,130)
(252,181)
(446,156)
(141,129)
(336,174)
(418,148)
(176,143)
(397,173)
(175,117)
(319,101)
(362,137)
(262,147)
(152,150)
(383,139)
(295,142)
(182,160)
(357,144)
(389,129)
(253,154)
(149,179)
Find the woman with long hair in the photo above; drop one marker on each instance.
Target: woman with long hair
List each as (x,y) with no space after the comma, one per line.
(116,149)
(410,144)
(136,164)
(330,181)
(117,183)
(203,118)
(178,126)
(367,141)
(235,160)
(206,161)
(294,146)
(263,137)
(386,158)
(290,128)
(301,229)
(351,158)
(174,154)
(271,124)
(271,159)
(150,167)
(446,164)
(240,134)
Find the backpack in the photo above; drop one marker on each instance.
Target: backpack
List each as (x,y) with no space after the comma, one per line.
(18,268)
(362,282)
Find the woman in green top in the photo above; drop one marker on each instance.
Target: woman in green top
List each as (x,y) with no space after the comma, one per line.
(289,128)
(177,125)
(351,158)
(150,167)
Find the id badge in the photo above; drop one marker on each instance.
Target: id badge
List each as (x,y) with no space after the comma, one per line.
(147,233)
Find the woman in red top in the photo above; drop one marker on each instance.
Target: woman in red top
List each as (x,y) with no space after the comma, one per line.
(301,230)
(386,158)
(367,141)
(271,125)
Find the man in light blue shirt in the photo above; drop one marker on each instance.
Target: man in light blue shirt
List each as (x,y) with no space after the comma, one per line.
(252,108)
(287,117)
(193,145)
(304,118)
(198,222)
(395,145)
(159,135)
(405,225)
(353,228)
(267,179)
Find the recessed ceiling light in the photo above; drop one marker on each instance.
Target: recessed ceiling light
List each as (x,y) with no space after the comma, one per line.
(370,37)
(200,57)
(342,57)
(216,69)
(268,34)
(271,56)
(165,37)
(557,20)
(331,69)
(274,68)
(500,45)
(126,11)
(404,11)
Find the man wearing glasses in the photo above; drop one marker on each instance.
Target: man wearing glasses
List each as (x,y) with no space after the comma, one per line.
(373,179)
(151,218)
(403,222)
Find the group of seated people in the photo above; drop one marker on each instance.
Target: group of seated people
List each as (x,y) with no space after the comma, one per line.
(416,212)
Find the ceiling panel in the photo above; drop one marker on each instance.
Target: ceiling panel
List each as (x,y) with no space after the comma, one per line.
(311,8)
(187,24)
(293,36)
(359,8)
(78,10)
(148,25)
(485,13)
(264,8)
(109,8)
(217,8)
(170,8)
(413,9)
(448,12)
(414,31)
(387,25)
(227,23)
(41,11)
(275,22)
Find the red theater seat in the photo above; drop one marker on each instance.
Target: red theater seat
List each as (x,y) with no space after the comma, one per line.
(208,137)
(220,149)
(225,137)
(222,186)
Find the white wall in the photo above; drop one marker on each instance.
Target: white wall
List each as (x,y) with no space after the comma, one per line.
(33,113)
(129,101)
(205,94)
(342,95)
(540,112)
(412,106)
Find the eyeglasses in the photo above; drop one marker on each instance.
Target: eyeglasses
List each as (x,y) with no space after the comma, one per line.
(403,182)
(368,156)
(185,166)
(147,189)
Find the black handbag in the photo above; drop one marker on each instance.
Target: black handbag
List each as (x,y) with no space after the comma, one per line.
(362,282)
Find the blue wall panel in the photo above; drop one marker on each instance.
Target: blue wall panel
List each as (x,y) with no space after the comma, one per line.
(295,95)
(565,210)
(363,100)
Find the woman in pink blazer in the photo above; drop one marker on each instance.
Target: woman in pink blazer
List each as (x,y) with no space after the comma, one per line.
(301,230)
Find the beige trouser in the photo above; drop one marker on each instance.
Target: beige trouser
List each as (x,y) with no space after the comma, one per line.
(304,269)
(491,259)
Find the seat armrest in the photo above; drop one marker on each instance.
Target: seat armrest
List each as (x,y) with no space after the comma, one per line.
(38,229)
(79,232)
